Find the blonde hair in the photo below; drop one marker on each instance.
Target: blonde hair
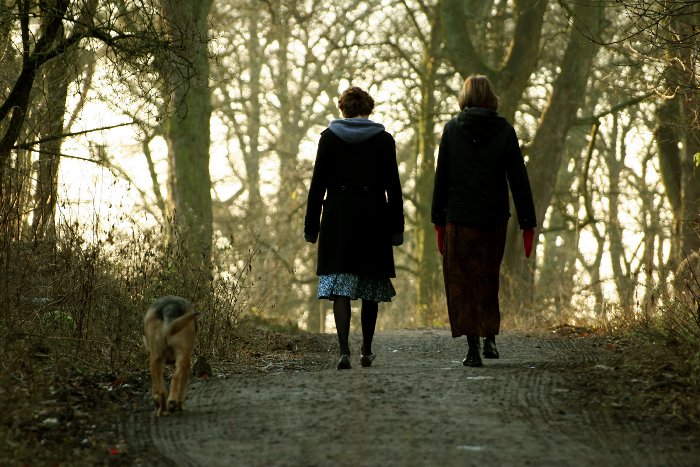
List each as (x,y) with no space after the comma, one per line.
(477,91)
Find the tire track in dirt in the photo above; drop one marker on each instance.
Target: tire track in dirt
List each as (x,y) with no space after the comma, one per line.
(416,406)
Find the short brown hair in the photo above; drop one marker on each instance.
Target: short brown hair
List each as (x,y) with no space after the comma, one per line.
(477,91)
(355,101)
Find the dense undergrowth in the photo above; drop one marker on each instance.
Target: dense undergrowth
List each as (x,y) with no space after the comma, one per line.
(73,313)
(85,301)
(663,351)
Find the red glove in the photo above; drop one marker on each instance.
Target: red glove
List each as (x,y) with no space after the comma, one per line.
(440,231)
(528,236)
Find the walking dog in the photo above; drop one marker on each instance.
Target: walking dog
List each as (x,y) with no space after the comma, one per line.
(169,331)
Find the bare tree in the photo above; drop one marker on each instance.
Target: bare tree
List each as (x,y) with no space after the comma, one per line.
(187,132)
(277,79)
(128,38)
(664,39)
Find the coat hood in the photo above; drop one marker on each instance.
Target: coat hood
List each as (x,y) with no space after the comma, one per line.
(479,124)
(355,130)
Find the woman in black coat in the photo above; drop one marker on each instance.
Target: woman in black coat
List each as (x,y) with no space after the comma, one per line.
(478,161)
(357,173)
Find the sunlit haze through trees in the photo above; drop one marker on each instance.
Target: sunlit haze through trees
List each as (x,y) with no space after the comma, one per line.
(604,96)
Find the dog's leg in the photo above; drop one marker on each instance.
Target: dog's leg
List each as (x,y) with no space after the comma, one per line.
(187,349)
(183,383)
(157,368)
(178,385)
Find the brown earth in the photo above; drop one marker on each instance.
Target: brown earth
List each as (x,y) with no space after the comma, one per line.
(549,400)
(564,398)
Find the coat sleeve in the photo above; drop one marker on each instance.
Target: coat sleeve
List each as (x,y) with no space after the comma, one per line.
(438,213)
(520,185)
(393,191)
(317,190)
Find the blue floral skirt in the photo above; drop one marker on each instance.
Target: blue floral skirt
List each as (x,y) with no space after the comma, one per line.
(355,286)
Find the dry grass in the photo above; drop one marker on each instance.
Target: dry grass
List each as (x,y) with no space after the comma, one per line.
(73,308)
(660,354)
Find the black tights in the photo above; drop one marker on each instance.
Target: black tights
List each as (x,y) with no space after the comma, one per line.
(369,322)
(342,312)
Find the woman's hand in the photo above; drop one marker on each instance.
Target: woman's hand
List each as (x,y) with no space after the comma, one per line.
(440,232)
(528,236)
(310,238)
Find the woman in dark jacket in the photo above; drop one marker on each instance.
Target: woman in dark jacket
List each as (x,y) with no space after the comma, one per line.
(478,160)
(356,171)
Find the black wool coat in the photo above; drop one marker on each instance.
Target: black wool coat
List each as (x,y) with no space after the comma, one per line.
(478,160)
(355,205)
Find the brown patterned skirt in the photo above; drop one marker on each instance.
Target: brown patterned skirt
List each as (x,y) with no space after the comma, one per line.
(471,265)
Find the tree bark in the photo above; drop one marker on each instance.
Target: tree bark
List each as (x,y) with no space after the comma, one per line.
(46,190)
(678,122)
(547,148)
(690,177)
(667,138)
(428,270)
(621,266)
(251,153)
(690,168)
(187,134)
(14,108)
(511,77)
(522,55)
(55,80)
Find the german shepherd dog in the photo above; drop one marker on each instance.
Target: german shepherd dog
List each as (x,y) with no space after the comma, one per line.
(169,331)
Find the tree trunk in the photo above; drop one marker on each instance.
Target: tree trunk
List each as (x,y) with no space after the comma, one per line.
(678,119)
(316,319)
(652,237)
(187,134)
(547,148)
(690,163)
(13,110)
(679,170)
(520,58)
(690,176)
(621,266)
(559,248)
(251,154)
(667,136)
(46,192)
(428,256)
(522,55)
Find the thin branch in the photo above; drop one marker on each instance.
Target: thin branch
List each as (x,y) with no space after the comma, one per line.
(68,156)
(28,145)
(628,103)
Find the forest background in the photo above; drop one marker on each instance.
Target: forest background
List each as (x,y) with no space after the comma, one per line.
(152,147)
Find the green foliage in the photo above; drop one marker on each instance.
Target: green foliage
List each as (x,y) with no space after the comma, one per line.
(59,320)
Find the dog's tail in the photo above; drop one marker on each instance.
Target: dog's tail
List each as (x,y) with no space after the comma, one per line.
(179,323)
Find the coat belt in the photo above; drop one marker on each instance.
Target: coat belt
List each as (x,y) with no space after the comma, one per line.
(353,189)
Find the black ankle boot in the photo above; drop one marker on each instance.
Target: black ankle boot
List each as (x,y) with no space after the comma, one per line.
(343,363)
(490,350)
(473,358)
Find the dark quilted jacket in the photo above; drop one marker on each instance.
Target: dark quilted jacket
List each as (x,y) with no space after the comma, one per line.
(478,160)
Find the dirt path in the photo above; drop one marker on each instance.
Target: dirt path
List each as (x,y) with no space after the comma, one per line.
(416,406)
